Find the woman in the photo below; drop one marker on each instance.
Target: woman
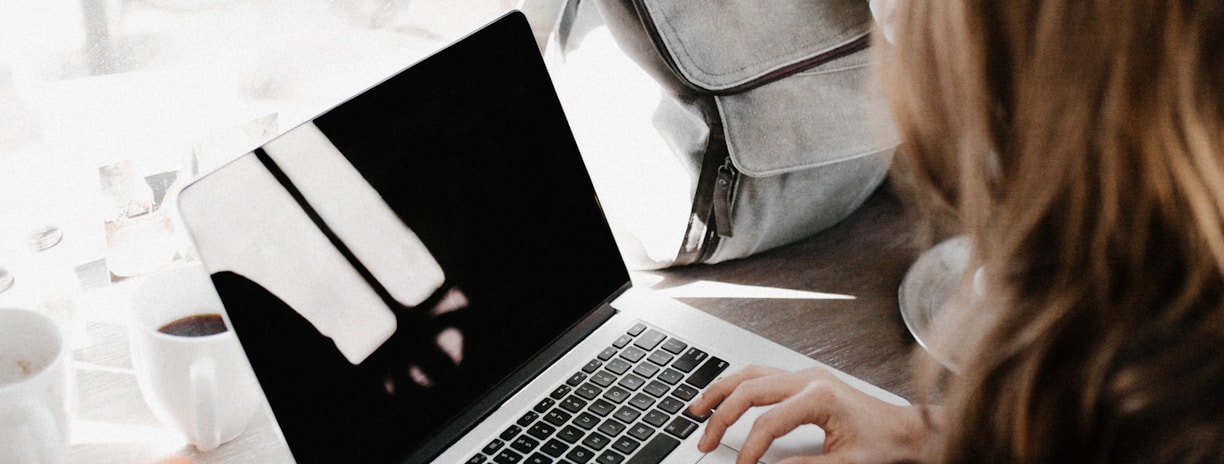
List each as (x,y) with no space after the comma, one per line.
(1080,146)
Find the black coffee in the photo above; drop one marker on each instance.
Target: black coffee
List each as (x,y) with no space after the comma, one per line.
(198,325)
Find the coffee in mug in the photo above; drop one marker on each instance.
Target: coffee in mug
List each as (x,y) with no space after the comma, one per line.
(190,366)
(196,325)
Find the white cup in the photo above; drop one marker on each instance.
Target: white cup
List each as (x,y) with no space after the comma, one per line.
(203,386)
(33,376)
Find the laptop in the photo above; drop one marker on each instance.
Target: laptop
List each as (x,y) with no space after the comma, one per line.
(423,273)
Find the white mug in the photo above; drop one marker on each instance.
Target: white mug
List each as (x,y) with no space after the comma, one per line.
(202,385)
(33,378)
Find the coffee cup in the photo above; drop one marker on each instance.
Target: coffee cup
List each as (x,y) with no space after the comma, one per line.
(189,365)
(33,378)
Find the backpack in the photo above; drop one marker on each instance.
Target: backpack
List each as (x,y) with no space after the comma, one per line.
(765,109)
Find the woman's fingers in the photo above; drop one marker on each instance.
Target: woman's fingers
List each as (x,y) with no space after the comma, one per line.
(858,427)
(734,395)
(814,404)
(716,392)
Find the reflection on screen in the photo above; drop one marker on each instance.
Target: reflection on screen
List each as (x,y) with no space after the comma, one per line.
(471,153)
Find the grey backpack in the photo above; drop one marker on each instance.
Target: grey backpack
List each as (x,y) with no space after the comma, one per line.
(768,107)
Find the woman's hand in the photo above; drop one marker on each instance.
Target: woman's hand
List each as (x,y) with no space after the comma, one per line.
(858,427)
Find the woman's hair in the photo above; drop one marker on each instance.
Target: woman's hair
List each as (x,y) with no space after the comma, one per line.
(1080,146)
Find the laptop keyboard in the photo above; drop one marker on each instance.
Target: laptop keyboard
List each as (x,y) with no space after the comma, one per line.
(628,405)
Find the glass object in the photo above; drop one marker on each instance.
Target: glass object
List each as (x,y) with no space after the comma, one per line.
(931,298)
(6,279)
(44,237)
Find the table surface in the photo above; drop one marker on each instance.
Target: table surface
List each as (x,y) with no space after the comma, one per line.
(832,297)
(849,319)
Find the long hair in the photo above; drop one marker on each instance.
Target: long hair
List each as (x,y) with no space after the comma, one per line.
(1080,146)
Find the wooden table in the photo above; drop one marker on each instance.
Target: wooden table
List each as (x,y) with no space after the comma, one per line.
(864,257)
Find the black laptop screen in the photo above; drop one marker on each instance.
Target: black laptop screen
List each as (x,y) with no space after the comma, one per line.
(472,152)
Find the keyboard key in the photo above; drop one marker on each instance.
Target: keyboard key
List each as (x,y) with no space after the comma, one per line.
(544,405)
(674,346)
(603,378)
(655,450)
(610,457)
(612,428)
(642,401)
(541,430)
(707,373)
(622,341)
(592,366)
(538,459)
(607,353)
(588,391)
(560,392)
(681,427)
(641,431)
(671,376)
(586,421)
(690,360)
(627,414)
(656,417)
(570,434)
(632,354)
(684,392)
(626,445)
(507,456)
(573,404)
(492,447)
(661,358)
(656,388)
(671,405)
(557,417)
(696,418)
(477,459)
(649,340)
(580,455)
(618,366)
(646,370)
(576,379)
(596,441)
(554,448)
(637,329)
(510,433)
(616,395)
(528,418)
(524,444)
(601,407)
(631,382)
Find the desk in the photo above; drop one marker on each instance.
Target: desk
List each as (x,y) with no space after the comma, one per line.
(848,319)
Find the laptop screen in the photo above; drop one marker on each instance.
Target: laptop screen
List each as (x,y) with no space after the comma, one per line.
(445,214)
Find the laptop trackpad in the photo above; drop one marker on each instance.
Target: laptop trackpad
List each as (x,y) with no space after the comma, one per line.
(807,440)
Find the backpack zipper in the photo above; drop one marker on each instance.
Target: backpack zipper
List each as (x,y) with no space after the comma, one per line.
(724,198)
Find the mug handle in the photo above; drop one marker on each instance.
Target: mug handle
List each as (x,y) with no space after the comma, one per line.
(42,427)
(205,400)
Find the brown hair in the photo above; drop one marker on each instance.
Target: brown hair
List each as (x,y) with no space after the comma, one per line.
(1080,146)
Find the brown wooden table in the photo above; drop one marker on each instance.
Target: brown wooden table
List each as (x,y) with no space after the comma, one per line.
(866,257)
